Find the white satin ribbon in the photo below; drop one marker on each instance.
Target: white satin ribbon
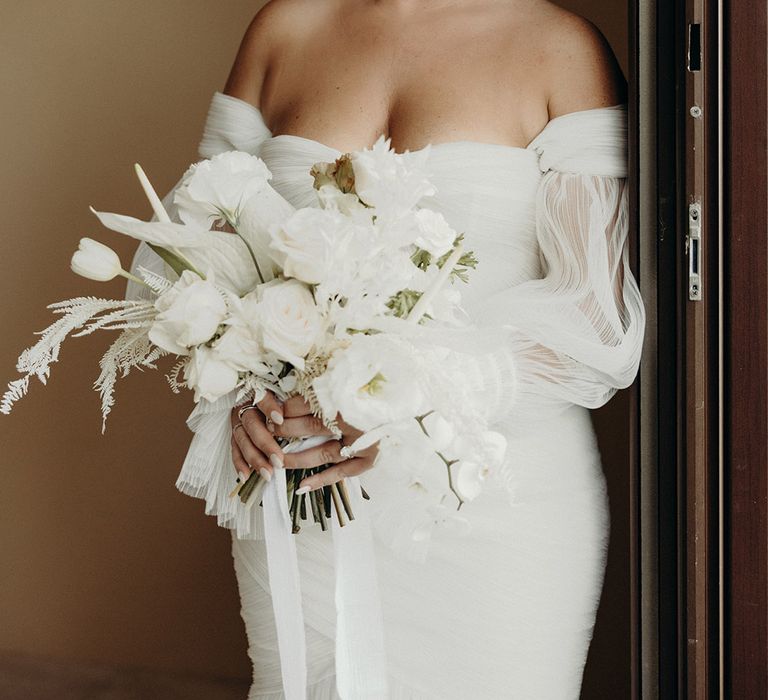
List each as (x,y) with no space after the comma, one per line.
(360,653)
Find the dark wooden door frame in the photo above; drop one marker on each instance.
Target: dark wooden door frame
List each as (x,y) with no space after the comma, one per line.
(746,349)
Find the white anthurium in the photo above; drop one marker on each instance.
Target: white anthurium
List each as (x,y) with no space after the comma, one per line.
(218,188)
(189,314)
(392,182)
(208,375)
(225,253)
(289,322)
(371,382)
(97,261)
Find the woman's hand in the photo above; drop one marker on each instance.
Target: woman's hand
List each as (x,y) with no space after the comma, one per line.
(299,422)
(254,444)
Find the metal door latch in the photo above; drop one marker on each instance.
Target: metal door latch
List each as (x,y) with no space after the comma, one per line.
(693,248)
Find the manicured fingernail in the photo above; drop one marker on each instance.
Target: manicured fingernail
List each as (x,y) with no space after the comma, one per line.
(276,462)
(265,474)
(303,490)
(277,417)
(244,476)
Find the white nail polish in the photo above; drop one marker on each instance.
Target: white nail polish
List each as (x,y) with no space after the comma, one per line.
(276,462)
(276,417)
(265,474)
(303,490)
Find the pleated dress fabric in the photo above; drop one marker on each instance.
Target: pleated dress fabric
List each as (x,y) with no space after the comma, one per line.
(507,610)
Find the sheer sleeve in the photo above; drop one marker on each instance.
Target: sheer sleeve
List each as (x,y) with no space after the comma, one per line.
(231,124)
(575,335)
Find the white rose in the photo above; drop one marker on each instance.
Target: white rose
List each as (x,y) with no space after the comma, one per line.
(209,376)
(435,235)
(219,187)
(189,314)
(371,382)
(290,323)
(309,243)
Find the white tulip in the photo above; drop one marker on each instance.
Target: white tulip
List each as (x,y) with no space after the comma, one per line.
(96,261)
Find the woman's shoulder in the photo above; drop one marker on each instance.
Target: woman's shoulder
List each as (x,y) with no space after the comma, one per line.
(581,69)
(276,26)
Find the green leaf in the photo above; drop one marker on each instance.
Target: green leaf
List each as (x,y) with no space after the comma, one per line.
(177,264)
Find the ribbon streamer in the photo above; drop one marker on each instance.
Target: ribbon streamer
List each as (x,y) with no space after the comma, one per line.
(360,653)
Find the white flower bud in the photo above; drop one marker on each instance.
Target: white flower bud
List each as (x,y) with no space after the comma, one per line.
(95,261)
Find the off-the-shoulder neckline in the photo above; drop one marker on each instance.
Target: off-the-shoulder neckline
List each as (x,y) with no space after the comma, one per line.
(531,147)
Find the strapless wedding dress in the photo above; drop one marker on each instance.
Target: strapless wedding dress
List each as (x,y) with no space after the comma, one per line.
(507,610)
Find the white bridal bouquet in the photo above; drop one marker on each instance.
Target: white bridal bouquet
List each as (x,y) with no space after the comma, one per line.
(350,303)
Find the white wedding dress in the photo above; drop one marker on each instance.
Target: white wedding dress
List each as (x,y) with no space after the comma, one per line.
(506,611)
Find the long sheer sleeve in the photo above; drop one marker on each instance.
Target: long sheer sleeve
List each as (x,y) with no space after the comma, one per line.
(575,335)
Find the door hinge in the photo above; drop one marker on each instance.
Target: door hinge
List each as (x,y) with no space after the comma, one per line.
(693,249)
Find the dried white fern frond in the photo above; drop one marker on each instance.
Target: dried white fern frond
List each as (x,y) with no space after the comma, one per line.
(157,283)
(132,348)
(78,313)
(173,376)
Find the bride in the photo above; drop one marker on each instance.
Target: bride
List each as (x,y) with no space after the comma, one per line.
(524,108)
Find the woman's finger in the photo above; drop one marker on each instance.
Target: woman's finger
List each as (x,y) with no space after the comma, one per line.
(349,467)
(302,426)
(271,408)
(241,466)
(263,440)
(251,454)
(296,406)
(327,453)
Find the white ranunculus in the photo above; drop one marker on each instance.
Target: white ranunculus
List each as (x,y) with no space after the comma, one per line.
(435,235)
(290,323)
(189,314)
(209,376)
(390,181)
(371,382)
(219,187)
(309,243)
(95,261)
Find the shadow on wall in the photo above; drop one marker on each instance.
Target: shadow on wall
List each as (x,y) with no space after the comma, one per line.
(104,560)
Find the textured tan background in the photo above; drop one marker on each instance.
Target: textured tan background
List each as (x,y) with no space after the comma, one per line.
(102,559)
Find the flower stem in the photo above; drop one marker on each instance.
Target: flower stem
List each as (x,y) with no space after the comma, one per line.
(129,276)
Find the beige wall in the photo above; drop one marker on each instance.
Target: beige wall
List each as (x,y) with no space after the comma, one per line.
(102,559)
